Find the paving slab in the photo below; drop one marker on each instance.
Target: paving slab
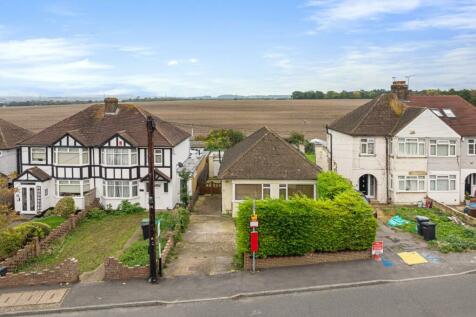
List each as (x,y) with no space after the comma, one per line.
(32,299)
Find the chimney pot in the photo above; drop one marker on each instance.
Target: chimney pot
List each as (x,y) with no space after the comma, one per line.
(400,88)
(110,105)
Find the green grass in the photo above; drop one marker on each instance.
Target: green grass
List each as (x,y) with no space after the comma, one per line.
(450,237)
(52,221)
(311,157)
(90,243)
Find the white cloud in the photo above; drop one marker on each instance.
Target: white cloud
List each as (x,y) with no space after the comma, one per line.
(138,50)
(459,17)
(61,9)
(331,13)
(172,63)
(192,60)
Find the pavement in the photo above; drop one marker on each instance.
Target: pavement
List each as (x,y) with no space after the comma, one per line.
(441,297)
(208,246)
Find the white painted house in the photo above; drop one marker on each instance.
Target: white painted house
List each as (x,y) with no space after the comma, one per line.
(100,150)
(400,148)
(10,136)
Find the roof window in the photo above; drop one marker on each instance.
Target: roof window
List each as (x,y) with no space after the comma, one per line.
(449,113)
(437,112)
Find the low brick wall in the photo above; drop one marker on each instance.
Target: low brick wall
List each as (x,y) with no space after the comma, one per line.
(35,247)
(308,259)
(454,212)
(66,272)
(116,270)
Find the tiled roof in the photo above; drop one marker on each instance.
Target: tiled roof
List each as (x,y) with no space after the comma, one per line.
(37,172)
(92,127)
(464,122)
(382,116)
(265,155)
(11,135)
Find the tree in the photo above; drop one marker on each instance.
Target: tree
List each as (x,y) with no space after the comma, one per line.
(222,139)
(184,177)
(296,138)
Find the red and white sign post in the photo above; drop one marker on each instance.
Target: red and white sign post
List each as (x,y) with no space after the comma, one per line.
(377,250)
(254,244)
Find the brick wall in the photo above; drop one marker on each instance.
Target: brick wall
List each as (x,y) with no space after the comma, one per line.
(35,247)
(116,270)
(308,259)
(66,272)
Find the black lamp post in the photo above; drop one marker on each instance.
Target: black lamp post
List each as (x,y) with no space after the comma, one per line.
(152,237)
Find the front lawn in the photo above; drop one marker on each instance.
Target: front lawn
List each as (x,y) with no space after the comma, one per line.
(91,243)
(450,237)
(52,221)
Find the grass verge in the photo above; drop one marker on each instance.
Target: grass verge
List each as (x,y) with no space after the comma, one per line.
(52,221)
(90,243)
(450,237)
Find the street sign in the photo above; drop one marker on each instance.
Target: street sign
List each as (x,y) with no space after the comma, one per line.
(377,248)
(253,224)
(254,241)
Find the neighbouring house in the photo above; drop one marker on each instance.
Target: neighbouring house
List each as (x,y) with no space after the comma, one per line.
(10,136)
(102,151)
(400,148)
(264,165)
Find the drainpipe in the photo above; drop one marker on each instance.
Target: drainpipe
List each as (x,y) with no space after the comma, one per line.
(387,167)
(332,160)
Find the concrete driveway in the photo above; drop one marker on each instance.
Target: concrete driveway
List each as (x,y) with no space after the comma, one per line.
(208,246)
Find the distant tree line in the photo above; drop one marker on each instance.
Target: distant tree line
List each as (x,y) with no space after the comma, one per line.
(467,94)
(28,103)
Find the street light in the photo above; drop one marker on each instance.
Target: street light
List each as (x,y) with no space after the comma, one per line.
(152,237)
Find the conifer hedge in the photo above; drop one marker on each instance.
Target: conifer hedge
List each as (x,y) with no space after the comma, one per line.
(302,225)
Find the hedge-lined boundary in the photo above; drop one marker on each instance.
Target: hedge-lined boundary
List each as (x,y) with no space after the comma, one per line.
(301,225)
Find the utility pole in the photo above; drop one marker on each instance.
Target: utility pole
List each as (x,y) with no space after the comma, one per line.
(152,237)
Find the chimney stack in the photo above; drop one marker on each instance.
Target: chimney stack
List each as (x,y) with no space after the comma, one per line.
(400,88)
(110,105)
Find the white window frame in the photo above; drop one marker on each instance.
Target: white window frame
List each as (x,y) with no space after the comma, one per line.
(131,156)
(1,153)
(434,144)
(159,153)
(449,113)
(420,144)
(285,187)
(365,145)
(437,112)
(263,186)
(406,179)
(433,183)
(121,184)
(43,149)
(471,142)
(71,182)
(81,152)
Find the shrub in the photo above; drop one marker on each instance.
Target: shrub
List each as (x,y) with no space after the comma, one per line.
(126,207)
(302,225)
(183,218)
(136,254)
(330,184)
(13,239)
(65,207)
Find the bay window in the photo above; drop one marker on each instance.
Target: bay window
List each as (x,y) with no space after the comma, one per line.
(120,189)
(472,147)
(119,157)
(442,148)
(411,147)
(70,156)
(367,146)
(38,155)
(411,183)
(75,188)
(442,183)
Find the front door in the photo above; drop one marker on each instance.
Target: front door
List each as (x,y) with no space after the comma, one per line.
(28,198)
(368,185)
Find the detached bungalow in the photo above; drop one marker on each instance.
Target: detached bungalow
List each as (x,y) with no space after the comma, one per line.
(263,166)
(10,136)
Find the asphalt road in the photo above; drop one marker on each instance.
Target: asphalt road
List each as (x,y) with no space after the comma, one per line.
(448,296)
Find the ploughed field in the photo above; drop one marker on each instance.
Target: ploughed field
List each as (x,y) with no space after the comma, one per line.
(306,116)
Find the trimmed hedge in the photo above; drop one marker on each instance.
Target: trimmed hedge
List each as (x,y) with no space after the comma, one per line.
(330,184)
(13,239)
(64,207)
(302,225)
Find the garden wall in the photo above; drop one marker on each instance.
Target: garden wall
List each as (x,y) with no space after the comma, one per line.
(115,270)
(454,212)
(307,259)
(35,247)
(66,272)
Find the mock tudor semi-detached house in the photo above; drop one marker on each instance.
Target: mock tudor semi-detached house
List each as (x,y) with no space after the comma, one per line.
(400,148)
(102,149)
(10,136)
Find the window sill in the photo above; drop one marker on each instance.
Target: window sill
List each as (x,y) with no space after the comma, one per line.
(367,155)
(38,163)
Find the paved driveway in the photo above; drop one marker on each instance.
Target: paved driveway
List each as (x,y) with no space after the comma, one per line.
(208,246)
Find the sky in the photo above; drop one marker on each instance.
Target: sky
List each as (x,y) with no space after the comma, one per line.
(212,47)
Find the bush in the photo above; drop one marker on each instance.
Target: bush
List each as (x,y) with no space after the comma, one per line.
(13,239)
(126,207)
(302,225)
(65,207)
(330,184)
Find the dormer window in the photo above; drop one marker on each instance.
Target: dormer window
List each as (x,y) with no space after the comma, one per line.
(449,113)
